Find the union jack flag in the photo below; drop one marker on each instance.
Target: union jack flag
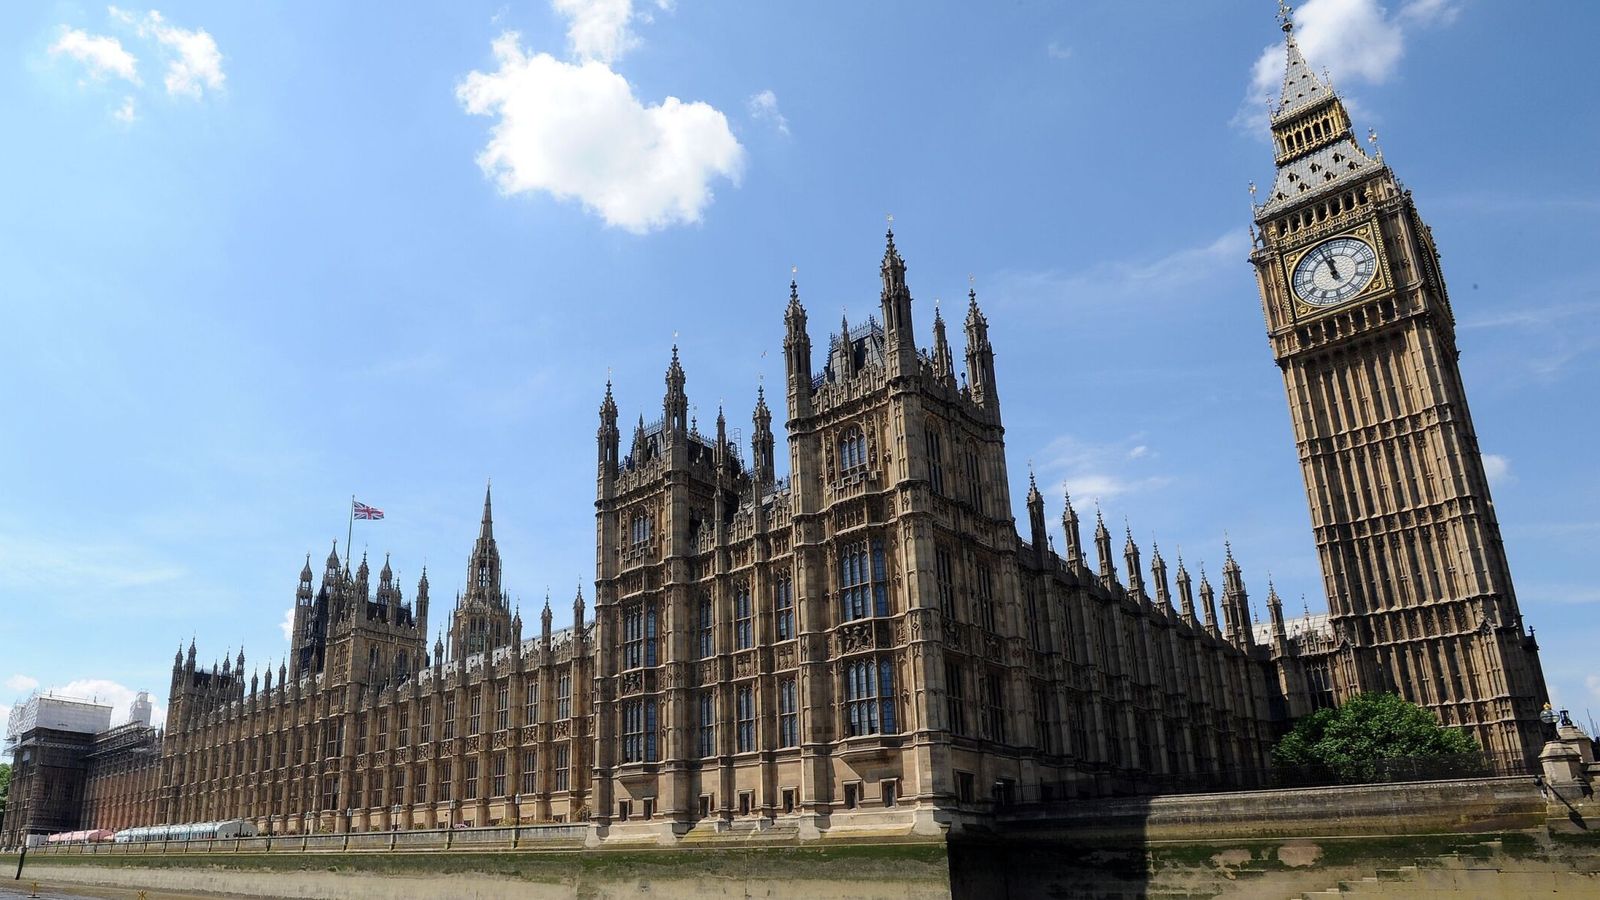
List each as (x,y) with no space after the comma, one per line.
(363,511)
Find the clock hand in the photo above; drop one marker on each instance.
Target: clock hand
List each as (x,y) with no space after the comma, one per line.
(1333,269)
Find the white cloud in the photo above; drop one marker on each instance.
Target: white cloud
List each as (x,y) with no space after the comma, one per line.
(101,54)
(764,108)
(1055,51)
(194,63)
(598,29)
(1593,684)
(1355,40)
(22,684)
(578,131)
(117,695)
(1098,471)
(1496,468)
(126,113)
(288,624)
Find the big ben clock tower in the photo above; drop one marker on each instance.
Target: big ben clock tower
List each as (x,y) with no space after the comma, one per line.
(1419,593)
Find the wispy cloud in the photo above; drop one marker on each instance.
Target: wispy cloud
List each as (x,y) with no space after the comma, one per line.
(1056,50)
(764,108)
(1182,270)
(102,55)
(1097,470)
(287,625)
(31,566)
(1497,469)
(598,29)
(21,683)
(194,62)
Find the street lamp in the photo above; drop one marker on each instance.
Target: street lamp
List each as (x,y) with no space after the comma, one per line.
(1549,717)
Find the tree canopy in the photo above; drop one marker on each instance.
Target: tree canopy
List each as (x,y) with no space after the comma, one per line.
(5,784)
(1369,737)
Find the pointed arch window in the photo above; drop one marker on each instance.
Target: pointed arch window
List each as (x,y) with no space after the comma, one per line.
(869,697)
(707,638)
(852,450)
(639,529)
(744,624)
(783,607)
(863,581)
(639,628)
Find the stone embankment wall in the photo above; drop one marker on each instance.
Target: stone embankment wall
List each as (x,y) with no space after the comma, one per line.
(1484,838)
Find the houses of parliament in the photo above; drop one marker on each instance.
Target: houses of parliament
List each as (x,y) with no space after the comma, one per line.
(873,641)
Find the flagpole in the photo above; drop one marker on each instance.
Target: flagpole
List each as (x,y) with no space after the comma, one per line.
(349,532)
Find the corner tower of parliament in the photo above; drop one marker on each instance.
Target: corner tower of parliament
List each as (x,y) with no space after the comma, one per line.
(872,641)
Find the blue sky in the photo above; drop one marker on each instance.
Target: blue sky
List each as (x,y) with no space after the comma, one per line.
(254,259)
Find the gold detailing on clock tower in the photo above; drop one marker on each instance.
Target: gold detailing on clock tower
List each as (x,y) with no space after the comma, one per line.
(1419,592)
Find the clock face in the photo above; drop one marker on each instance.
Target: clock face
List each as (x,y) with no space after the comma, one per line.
(1334,271)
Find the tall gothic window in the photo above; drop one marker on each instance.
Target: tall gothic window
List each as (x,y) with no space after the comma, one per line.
(707,725)
(935,460)
(564,696)
(474,713)
(955,698)
(639,731)
(1035,626)
(863,581)
(974,480)
(944,582)
(869,697)
(783,607)
(639,530)
(448,726)
(497,774)
(788,713)
(469,785)
(425,725)
(992,694)
(852,450)
(744,626)
(530,703)
(746,718)
(502,707)
(563,766)
(985,597)
(639,626)
(530,771)
(707,639)
(1042,725)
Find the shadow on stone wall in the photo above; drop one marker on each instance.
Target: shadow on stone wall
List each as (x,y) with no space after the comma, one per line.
(1280,842)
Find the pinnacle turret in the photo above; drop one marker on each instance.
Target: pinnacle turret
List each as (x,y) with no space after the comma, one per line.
(944,366)
(1069,524)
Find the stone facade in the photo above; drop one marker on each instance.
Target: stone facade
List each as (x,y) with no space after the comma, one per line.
(1419,592)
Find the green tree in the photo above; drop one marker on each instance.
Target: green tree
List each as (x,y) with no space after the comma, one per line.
(1374,737)
(5,785)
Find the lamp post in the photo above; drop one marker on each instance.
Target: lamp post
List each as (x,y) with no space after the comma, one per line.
(1549,717)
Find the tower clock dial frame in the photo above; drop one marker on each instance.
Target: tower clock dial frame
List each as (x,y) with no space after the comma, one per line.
(1335,270)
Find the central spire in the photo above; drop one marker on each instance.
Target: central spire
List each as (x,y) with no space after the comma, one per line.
(486,527)
(1301,86)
